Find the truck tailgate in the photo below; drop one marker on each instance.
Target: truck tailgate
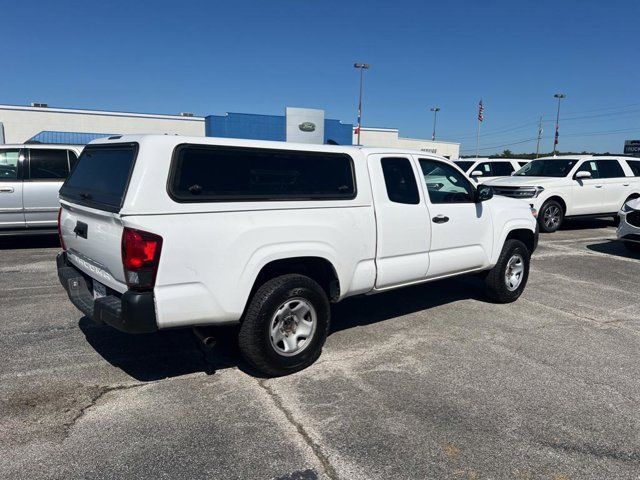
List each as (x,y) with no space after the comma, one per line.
(93,242)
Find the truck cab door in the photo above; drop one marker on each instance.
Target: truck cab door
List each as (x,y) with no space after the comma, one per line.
(46,170)
(11,209)
(462,230)
(402,218)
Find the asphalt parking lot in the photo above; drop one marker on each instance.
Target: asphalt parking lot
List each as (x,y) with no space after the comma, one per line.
(426,382)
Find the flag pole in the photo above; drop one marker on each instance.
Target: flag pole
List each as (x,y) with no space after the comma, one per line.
(478,139)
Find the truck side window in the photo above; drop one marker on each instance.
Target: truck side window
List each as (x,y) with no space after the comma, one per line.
(445,184)
(400,181)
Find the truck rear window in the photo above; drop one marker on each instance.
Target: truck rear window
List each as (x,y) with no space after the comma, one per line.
(202,173)
(101,176)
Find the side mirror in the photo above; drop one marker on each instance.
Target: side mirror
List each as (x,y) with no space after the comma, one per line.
(476,173)
(583,174)
(483,193)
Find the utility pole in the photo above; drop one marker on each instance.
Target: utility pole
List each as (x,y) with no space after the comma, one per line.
(362,67)
(539,137)
(435,111)
(559,96)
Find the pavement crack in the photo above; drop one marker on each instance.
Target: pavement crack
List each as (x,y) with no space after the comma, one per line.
(96,395)
(329,470)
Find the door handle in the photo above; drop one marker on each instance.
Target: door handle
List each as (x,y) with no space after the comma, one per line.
(6,190)
(625,184)
(440,219)
(598,186)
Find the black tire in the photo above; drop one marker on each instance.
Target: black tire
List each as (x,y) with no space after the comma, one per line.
(495,281)
(632,246)
(550,206)
(254,338)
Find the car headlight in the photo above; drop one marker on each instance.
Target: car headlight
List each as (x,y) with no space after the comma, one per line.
(527,192)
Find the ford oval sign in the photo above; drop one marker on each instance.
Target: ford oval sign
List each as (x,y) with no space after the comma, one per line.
(307,126)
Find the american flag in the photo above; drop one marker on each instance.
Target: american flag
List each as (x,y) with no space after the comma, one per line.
(480,112)
(356,130)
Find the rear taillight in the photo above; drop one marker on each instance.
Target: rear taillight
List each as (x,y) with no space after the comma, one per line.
(60,230)
(140,258)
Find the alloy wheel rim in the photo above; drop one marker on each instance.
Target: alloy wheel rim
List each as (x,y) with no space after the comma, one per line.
(292,326)
(514,272)
(551,216)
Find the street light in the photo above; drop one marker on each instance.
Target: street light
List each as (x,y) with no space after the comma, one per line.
(361,67)
(435,111)
(559,96)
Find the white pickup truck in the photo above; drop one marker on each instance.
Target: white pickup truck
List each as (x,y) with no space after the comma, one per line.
(167,231)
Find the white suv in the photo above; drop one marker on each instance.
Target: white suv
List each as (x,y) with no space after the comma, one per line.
(573,186)
(482,170)
(167,231)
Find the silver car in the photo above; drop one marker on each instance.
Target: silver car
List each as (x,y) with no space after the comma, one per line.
(30,177)
(629,228)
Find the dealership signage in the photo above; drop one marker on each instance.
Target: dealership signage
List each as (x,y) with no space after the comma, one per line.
(632,147)
(304,125)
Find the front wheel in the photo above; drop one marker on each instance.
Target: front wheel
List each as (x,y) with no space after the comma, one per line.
(550,216)
(505,282)
(285,326)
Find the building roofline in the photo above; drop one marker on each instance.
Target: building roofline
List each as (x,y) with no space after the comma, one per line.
(109,113)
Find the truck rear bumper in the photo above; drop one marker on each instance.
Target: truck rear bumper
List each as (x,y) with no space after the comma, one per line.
(133,312)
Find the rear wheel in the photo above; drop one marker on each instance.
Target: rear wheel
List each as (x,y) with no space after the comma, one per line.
(505,282)
(550,216)
(285,326)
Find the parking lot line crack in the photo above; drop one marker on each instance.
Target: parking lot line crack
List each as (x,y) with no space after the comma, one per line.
(329,470)
(95,397)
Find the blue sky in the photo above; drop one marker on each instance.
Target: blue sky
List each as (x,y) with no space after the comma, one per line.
(259,56)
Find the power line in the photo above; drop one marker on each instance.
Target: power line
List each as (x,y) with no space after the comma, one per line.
(575,135)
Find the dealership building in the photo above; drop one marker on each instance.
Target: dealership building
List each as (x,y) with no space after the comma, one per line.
(40,123)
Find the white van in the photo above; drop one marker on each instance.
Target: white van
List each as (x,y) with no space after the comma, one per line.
(167,231)
(30,177)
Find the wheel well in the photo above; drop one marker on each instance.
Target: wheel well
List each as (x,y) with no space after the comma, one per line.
(632,196)
(317,268)
(525,236)
(560,201)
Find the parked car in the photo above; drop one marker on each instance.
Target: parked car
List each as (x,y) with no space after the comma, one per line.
(167,231)
(482,170)
(573,186)
(629,227)
(30,177)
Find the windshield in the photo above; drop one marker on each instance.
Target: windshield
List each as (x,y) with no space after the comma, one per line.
(100,177)
(464,165)
(546,168)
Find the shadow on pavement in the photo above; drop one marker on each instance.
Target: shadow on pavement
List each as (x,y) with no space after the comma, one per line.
(614,247)
(165,354)
(29,241)
(173,353)
(365,310)
(587,223)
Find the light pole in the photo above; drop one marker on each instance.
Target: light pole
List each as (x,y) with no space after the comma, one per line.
(362,67)
(435,111)
(559,96)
